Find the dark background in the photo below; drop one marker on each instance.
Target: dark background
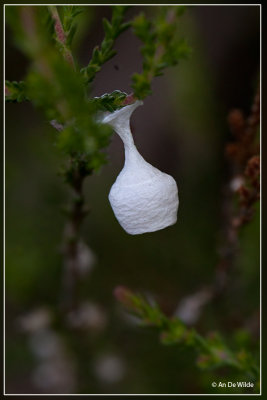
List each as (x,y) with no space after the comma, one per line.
(182,130)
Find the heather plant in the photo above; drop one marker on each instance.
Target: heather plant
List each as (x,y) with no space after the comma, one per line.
(56,84)
(61,89)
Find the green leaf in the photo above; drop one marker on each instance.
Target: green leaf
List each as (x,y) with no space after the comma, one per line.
(71,34)
(107,28)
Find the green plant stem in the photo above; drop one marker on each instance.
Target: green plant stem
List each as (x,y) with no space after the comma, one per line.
(104,52)
(212,351)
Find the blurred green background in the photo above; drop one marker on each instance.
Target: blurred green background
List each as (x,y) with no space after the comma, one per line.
(182,130)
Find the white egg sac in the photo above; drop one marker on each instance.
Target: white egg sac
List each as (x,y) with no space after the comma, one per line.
(143,198)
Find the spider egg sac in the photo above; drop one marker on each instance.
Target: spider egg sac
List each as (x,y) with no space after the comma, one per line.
(143,198)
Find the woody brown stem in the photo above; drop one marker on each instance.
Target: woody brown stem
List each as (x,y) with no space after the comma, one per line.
(71,238)
(242,182)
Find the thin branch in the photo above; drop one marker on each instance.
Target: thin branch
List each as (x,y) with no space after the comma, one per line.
(243,184)
(212,351)
(71,236)
(61,35)
(104,52)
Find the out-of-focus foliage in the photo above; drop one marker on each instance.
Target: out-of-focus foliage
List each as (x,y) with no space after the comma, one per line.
(15,91)
(162,46)
(212,351)
(69,21)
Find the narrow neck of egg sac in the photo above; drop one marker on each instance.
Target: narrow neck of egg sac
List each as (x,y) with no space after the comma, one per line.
(120,122)
(143,198)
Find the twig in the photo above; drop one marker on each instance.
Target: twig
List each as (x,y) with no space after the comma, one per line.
(59,127)
(71,236)
(61,35)
(212,350)
(242,157)
(104,52)
(243,181)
